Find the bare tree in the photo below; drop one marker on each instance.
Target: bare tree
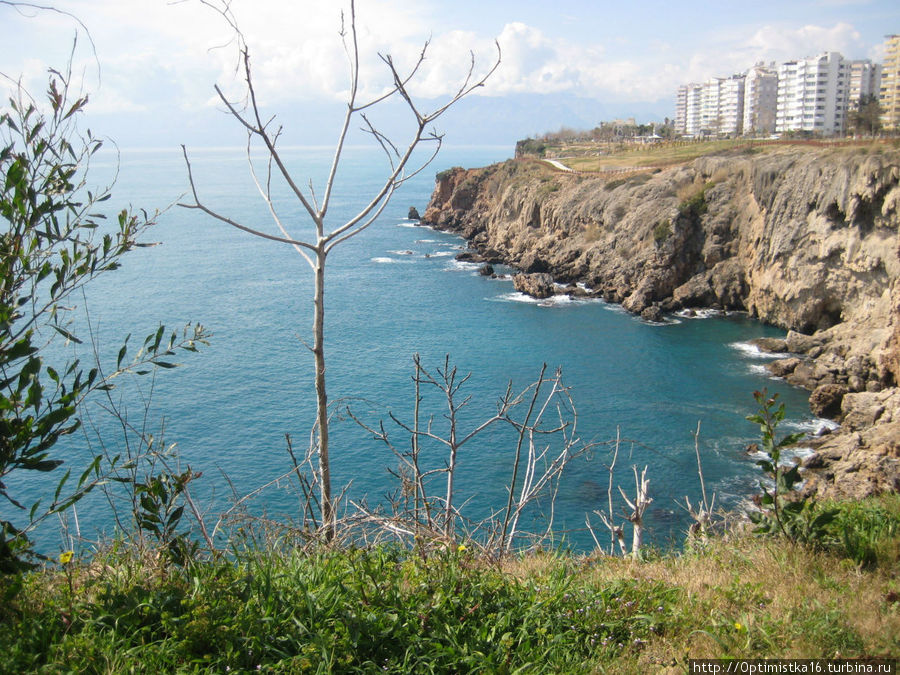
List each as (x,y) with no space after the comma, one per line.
(544,439)
(327,235)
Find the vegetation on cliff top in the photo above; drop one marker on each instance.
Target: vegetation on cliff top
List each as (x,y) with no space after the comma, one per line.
(599,157)
(278,608)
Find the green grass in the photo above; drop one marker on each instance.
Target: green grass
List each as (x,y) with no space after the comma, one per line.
(388,610)
(606,157)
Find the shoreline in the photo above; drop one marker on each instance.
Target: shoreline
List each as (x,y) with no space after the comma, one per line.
(756,234)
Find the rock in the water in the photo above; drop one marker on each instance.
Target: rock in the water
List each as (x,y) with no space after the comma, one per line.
(800,343)
(536,285)
(533,264)
(486,270)
(826,400)
(783,367)
(413,213)
(770,345)
(652,313)
(469,256)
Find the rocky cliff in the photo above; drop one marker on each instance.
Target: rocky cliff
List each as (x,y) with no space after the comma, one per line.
(802,238)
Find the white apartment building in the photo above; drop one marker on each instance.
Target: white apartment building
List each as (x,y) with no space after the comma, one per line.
(687,109)
(731,106)
(865,80)
(709,106)
(813,94)
(714,107)
(760,99)
(890,83)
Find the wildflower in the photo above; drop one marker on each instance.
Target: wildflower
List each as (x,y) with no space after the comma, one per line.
(462,548)
(66,557)
(739,626)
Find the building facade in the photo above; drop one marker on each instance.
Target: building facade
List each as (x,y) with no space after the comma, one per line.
(890,84)
(760,99)
(865,80)
(687,109)
(813,94)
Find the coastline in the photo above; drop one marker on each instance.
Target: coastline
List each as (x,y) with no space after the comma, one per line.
(803,239)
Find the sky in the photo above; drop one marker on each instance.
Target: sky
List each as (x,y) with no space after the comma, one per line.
(150,65)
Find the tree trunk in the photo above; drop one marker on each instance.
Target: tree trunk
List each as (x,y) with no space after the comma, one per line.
(321,396)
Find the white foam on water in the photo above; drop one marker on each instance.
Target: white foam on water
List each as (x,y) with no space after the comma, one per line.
(613,307)
(462,266)
(404,252)
(384,260)
(515,296)
(426,241)
(552,301)
(698,313)
(442,254)
(814,426)
(750,350)
(758,369)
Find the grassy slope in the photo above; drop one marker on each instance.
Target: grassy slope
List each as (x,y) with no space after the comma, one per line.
(587,157)
(384,610)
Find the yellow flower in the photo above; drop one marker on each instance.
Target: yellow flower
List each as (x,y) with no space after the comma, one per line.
(66,557)
(738,626)
(461,548)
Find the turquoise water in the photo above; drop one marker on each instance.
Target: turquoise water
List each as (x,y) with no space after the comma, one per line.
(391,292)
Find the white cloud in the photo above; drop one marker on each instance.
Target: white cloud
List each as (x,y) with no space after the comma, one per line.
(173,53)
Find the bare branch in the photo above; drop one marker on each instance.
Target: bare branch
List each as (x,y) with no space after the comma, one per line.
(199,206)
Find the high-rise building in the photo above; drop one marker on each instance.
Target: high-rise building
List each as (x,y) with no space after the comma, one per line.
(717,106)
(890,83)
(813,94)
(731,105)
(865,80)
(760,98)
(687,109)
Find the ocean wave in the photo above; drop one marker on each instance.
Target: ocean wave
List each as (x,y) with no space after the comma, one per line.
(814,426)
(752,351)
(698,313)
(403,252)
(384,260)
(441,254)
(614,307)
(462,266)
(552,301)
(759,369)
(666,321)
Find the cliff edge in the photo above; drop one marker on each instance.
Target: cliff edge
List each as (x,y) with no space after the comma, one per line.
(802,238)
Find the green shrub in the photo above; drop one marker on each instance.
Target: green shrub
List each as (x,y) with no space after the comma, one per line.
(662,231)
(694,206)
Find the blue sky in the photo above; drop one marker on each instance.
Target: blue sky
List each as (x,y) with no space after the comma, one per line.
(567,62)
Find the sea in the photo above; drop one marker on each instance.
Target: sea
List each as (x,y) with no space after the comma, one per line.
(394,291)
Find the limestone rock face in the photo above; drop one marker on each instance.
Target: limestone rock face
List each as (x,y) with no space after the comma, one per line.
(536,285)
(800,237)
(825,401)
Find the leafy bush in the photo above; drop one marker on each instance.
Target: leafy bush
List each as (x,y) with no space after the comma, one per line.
(51,246)
(782,512)
(530,146)
(695,206)
(662,231)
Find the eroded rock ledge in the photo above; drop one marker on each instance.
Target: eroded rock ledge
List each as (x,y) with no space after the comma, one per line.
(805,239)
